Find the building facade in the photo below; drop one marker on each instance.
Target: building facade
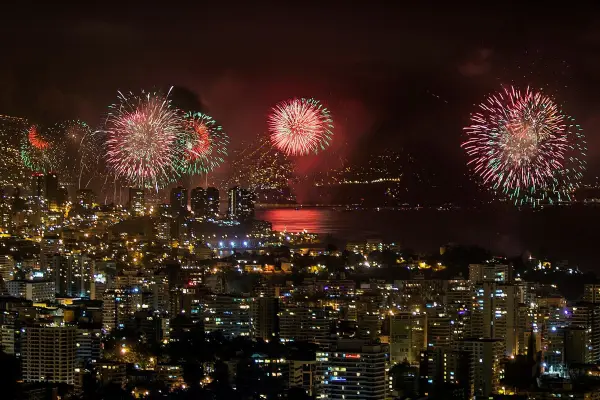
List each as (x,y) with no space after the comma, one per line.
(48,353)
(353,370)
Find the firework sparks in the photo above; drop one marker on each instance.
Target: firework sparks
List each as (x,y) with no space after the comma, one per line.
(523,145)
(204,142)
(300,126)
(36,140)
(83,146)
(142,135)
(40,150)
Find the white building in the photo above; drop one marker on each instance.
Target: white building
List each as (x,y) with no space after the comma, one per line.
(7,267)
(7,338)
(35,291)
(48,353)
(352,370)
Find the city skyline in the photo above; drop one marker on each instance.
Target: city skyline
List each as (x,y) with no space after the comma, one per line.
(302,201)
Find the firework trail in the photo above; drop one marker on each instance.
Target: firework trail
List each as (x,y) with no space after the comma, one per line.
(84,149)
(300,126)
(143,140)
(522,145)
(204,143)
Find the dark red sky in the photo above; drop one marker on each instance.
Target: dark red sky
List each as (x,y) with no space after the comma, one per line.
(392,75)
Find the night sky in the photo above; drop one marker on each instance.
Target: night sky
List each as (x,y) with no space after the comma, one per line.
(393,77)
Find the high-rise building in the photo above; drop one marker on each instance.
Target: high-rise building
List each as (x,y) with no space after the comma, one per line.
(440,329)
(587,316)
(319,325)
(62,196)
(163,228)
(229,314)
(137,206)
(112,372)
(73,274)
(35,291)
(86,198)
(554,349)
(18,203)
(179,200)
(240,205)
(528,325)
(591,292)
(485,356)
(6,214)
(292,323)
(212,202)
(38,186)
(265,324)
(118,306)
(7,267)
(490,273)
(282,373)
(164,211)
(408,336)
(302,323)
(89,344)
(198,202)
(148,324)
(577,346)
(52,192)
(49,246)
(495,314)
(7,338)
(352,370)
(159,292)
(440,367)
(61,272)
(369,325)
(48,353)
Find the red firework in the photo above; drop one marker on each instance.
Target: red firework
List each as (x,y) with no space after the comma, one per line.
(36,140)
(300,126)
(200,145)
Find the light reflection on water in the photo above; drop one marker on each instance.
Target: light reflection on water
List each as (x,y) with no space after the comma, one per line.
(411,226)
(562,233)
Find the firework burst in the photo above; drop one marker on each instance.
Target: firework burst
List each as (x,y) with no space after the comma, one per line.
(36,140)
(142,140)
(521,144)
(300,126)
(40,150)
(204,143)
